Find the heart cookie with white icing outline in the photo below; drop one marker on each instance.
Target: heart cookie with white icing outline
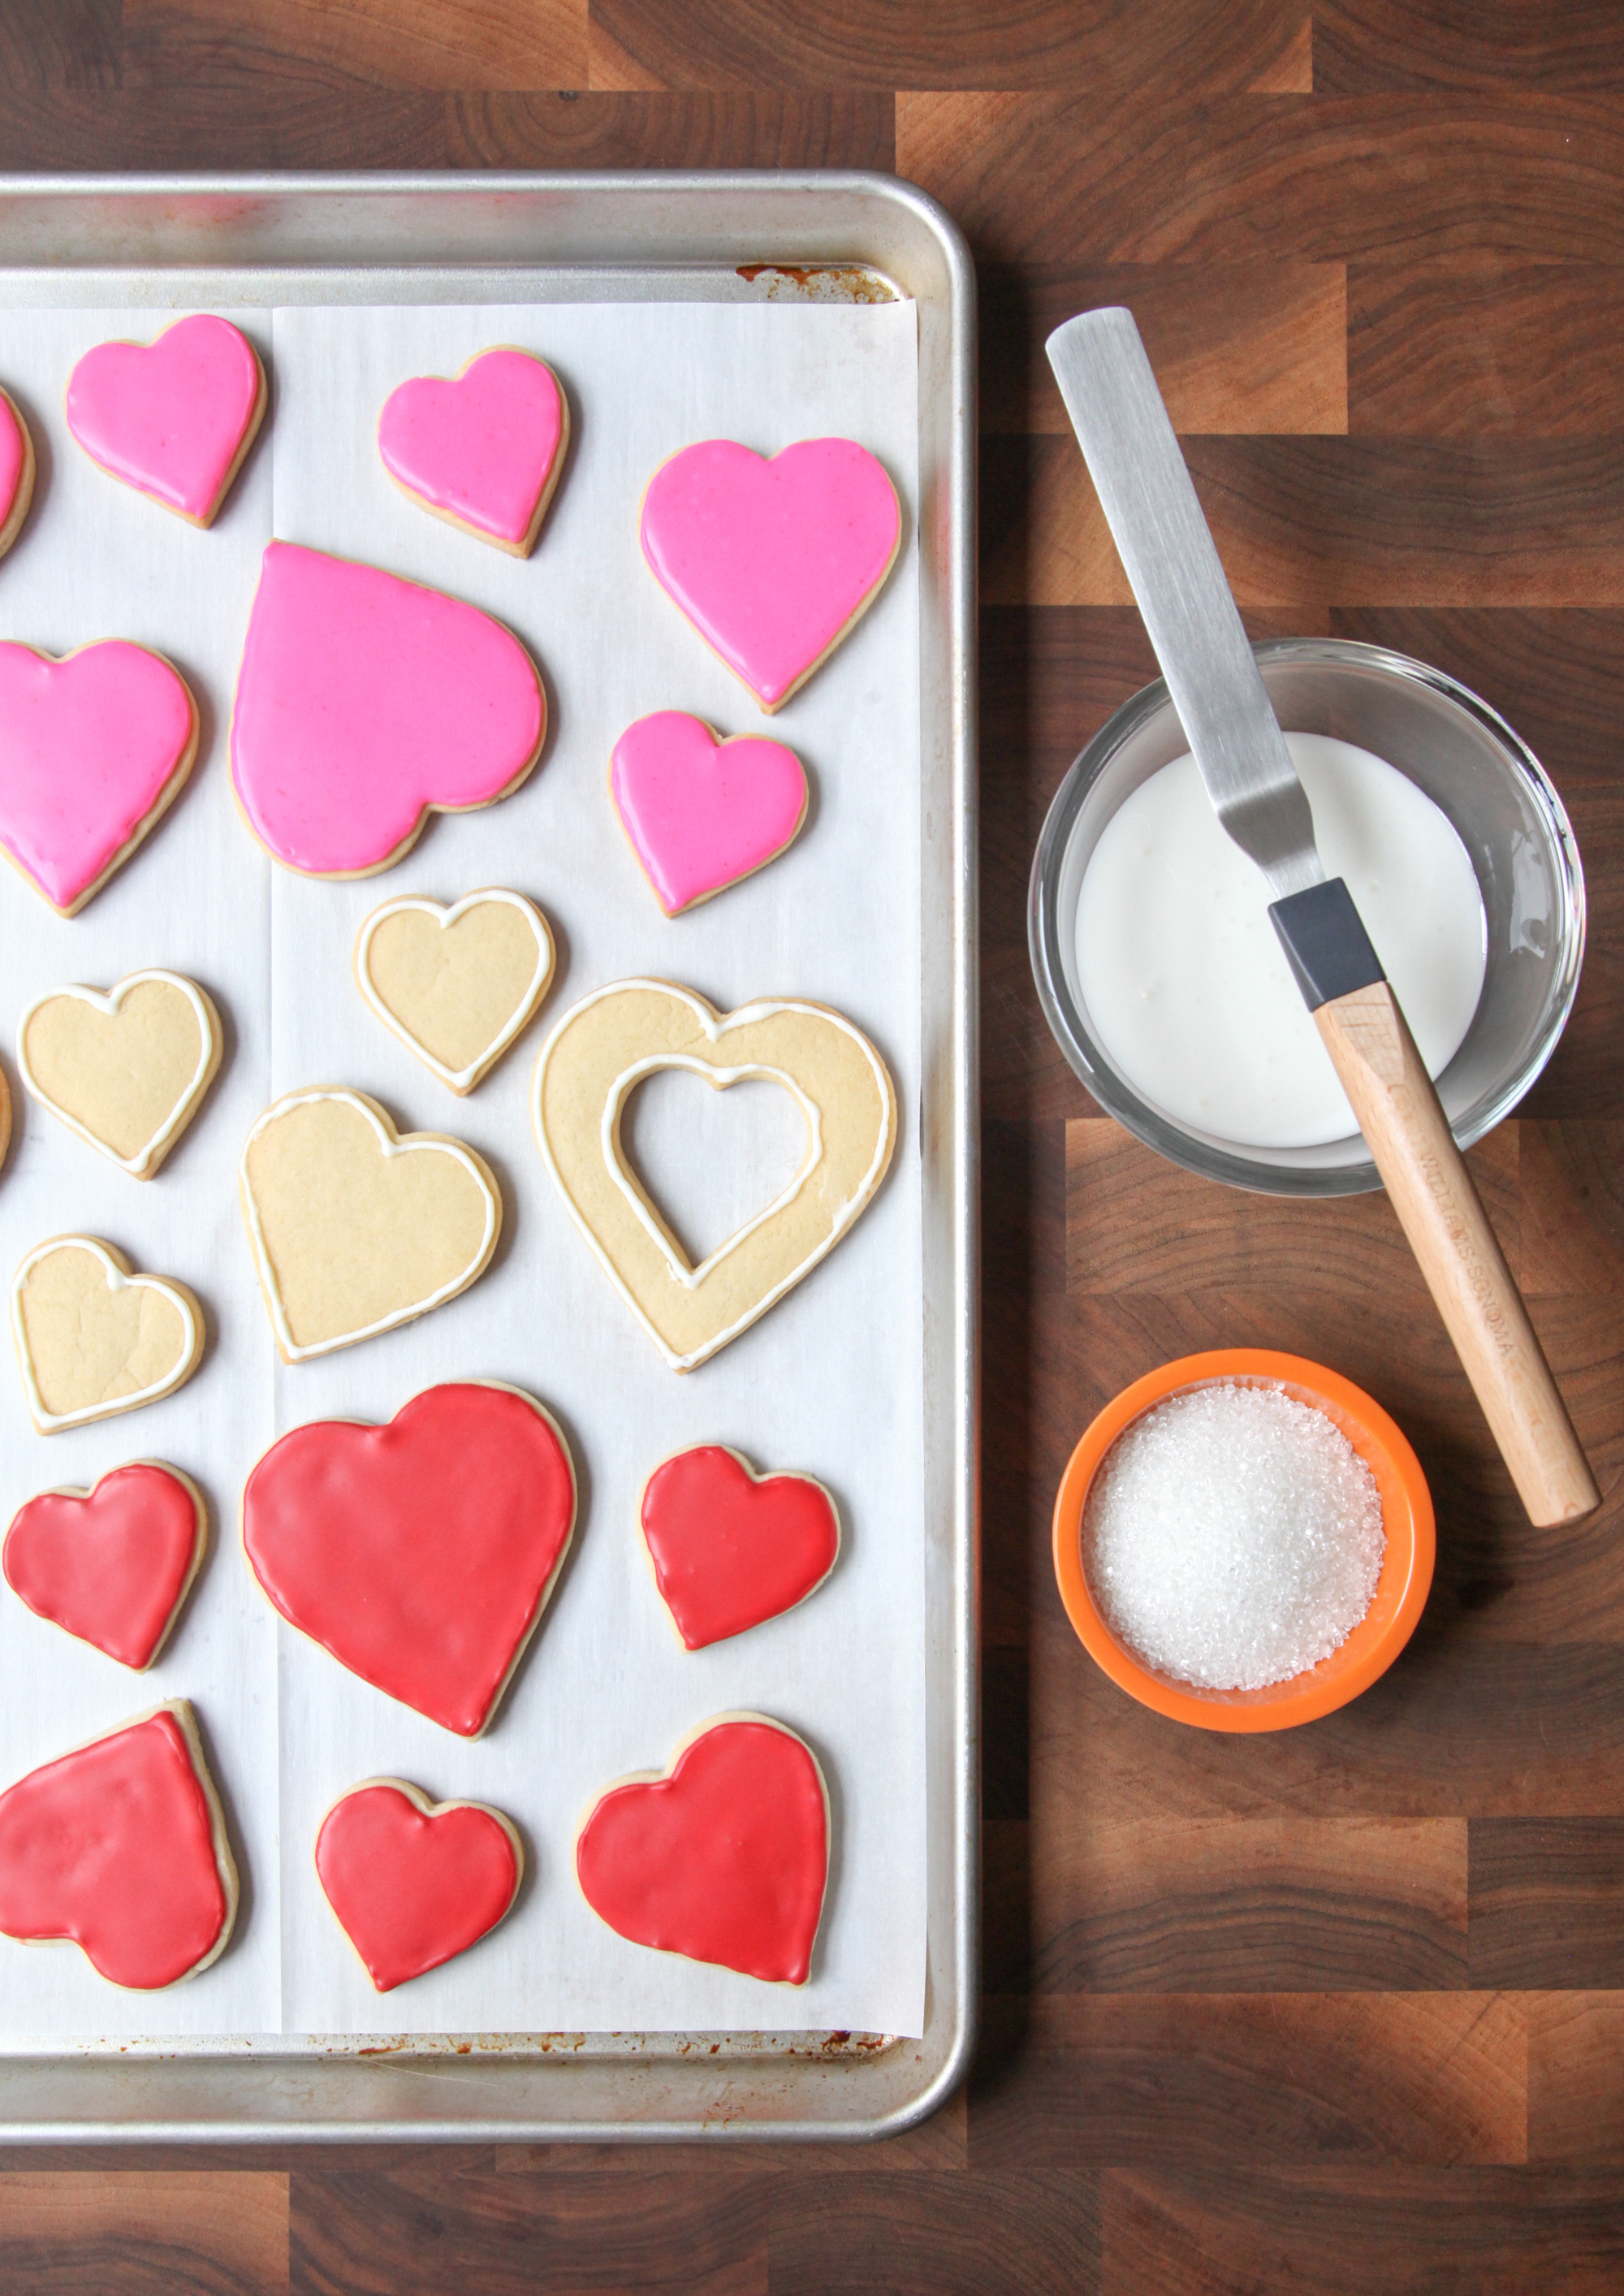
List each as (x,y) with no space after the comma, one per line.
(356,1228)
(456,985)
(588,1067)
(94,1337)
(125,1068)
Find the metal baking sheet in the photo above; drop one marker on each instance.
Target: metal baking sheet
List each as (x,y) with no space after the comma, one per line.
(552,240)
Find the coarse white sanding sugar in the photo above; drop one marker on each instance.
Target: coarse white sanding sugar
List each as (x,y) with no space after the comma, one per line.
(1232,1537)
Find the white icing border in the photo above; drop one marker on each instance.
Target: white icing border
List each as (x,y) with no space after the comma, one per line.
(716,1027)
(460,1080)
(49,1421)
(108,1001)
(407,1144)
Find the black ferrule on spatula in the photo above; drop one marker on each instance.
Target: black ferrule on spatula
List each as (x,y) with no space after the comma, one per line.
(1325,942)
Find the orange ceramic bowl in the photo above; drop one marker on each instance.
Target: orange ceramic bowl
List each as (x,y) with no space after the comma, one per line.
(1407,1567)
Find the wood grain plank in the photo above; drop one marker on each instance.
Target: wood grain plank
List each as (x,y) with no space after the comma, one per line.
(1173,43)
(1201,2080)
(404,44)
(1571,1184)
(56,44)
(310,118)
(773,128)
(1278,1904)
(143,2233)
(1545,1898)
(1238,347)
(1364,46)
(965,2236)
(1363,2231)
(1062,178)
(1575,2078)
(1483,349)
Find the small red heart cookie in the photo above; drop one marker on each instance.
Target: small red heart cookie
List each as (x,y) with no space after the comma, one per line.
(113,1564)
(415,1883)
(726,1858)
(730,1547)
(422,1554)
(121,1847)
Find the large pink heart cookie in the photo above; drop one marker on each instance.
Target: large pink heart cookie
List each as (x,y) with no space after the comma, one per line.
(363,704)
(93,750)
(415,1883)
(701,813)
(16,471)
(483,450)
(174,419)
(771,562)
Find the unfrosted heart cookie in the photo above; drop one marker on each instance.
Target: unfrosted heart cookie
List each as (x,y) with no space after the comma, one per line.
(17,468)
(702,813)
(724,1859)
(483,450)
(421,1554)
(356,1228)
(415,1883)
(94,747)
(120,1849)
(456,985)
(774,561)
(174,418)
(113,1564)
(94,1337)
(730,1548)
(599,1053)
(125,1068)
(364,703)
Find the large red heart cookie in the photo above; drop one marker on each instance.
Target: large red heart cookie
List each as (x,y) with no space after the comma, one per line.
(121,1846)
(111,1565)
(421,1554)
(730,1547)
(723,1859)
(412,1882)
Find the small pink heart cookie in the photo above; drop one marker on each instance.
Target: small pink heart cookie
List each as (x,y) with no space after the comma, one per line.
(483,450)
(173,418)
(93,749)
(702,813)
(771,562)
(16,471)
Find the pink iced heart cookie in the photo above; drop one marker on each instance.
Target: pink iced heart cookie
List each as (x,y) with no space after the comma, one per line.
(93,749)
(415,1883)
(701,813)
(174,418)
(771,562)
(16,471)
(482,449)
(363,704)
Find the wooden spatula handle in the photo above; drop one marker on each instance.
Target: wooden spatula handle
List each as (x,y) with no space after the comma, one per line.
(1441,1212)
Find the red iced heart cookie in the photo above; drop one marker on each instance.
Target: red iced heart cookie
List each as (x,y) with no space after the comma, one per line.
(421,1554)
(771,562)
(93,749)
(364,703)
(16,471)
(699,813)
(111,1565)
(723,1859)
(174,418)
(412,1882)
(121,1846)
(484,450)
(730,1547)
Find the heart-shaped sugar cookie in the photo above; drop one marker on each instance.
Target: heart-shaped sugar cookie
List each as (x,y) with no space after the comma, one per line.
(415,1883)
(364,703)
(356,1228)
(174,418)
(456,985)
(94,1337)
(16,469)
(606,1044)
(700,812)
(126,1068)
(730,1548)
(725,1859)
(113,1564)
(483,450)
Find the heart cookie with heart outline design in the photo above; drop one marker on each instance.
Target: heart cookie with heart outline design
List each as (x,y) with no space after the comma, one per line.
(458,986)
(111,1565)
(356,1228)
(414,1882)
(125,1068)
(588,1067)
(94,1337)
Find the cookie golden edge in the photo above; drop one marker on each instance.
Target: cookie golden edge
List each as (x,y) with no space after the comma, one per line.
(151,1158)
(22,500)
(527,540)
(427,1808)
(47,1422)
(200,1549)
(460,1082)
(767,1475)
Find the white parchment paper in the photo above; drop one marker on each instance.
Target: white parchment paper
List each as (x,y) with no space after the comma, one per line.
(830,1381)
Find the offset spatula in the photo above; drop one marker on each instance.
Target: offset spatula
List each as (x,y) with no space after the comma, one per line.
(1144,489)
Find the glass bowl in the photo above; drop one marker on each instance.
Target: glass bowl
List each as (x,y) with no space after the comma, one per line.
(1472,765)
